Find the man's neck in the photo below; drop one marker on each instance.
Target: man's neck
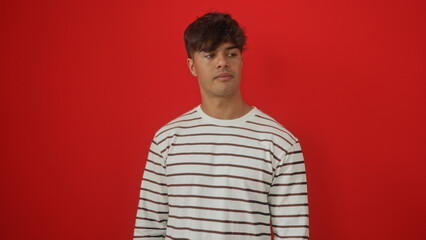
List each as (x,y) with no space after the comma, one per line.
(224,108)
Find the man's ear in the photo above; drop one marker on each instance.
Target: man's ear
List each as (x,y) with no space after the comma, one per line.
(191,67)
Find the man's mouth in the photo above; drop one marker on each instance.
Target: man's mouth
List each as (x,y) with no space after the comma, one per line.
(223,76)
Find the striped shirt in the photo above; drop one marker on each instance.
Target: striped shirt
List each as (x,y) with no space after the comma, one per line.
(216,179)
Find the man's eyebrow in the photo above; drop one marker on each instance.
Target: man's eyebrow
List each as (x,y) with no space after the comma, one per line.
(205,50)
(208,50)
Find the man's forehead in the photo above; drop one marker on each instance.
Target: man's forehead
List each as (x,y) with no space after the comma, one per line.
(222,46)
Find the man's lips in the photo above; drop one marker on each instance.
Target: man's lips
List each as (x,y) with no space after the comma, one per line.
(223,76)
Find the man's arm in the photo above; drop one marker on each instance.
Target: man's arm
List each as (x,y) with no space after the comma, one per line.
(153,208)
(288,197)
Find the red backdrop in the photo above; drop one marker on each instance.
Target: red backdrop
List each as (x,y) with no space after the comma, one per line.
(85,84)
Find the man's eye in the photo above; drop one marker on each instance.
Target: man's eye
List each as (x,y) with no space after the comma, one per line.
(232,54)
(210,55)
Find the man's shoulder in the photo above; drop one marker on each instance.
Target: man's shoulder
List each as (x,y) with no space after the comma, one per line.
(182,120)
(270,124)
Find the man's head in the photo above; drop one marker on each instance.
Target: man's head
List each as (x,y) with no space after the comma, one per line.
(207,32)
(214,44)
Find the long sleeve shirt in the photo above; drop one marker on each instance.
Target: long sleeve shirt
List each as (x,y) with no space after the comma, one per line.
(216,179)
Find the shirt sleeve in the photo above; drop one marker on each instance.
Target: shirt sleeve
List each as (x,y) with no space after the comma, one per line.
(288,197)
(153,209)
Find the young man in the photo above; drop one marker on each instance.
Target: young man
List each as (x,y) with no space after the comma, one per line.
(224,169)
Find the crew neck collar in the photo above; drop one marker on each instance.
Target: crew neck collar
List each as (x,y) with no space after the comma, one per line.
(235,121)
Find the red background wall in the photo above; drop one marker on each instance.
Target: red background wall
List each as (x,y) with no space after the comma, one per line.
(85,84)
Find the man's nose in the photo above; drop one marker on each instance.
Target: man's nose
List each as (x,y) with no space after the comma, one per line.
(222,61)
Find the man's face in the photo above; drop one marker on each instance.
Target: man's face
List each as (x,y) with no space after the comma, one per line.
(218,71)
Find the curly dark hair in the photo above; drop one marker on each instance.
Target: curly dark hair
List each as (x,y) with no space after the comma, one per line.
(207,32)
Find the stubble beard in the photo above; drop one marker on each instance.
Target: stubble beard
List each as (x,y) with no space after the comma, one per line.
(220,89)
